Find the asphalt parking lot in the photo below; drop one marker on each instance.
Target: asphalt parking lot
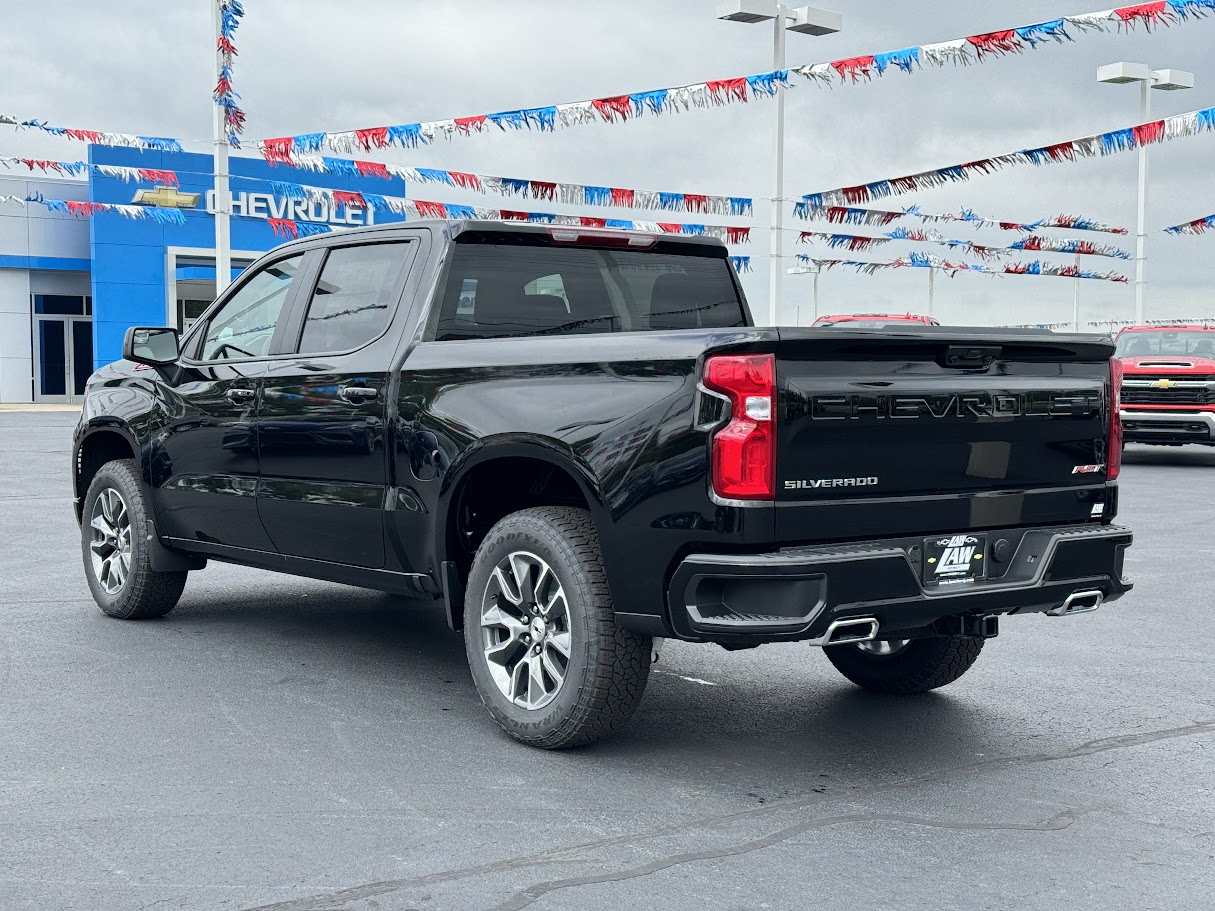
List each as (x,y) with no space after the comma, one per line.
(287,744)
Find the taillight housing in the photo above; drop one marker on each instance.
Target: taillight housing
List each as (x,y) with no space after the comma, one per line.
(744,450)
(1113,459)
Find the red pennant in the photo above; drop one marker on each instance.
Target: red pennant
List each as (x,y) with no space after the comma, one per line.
(372,169)
(997,43)
(284,227)
(466,180)
(431,209)
(724,90)
(667,228)
(622,197)
(277,151)
(373,138)
(856,194)
(84,209)
(1087,247)
(738,235)
(155,175)
(543,189)
(611,109)
(1009,226)
(694,202)
(1032,243)
(588,221)
(226,46)
(467,124)
(84,135)
(1148,13)
(346,198)
(511,215)
(854,67)
(1147,133)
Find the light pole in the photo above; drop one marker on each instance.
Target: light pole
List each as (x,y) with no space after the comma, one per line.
(1165,80)
(808,21)
(816,271)
(223,198)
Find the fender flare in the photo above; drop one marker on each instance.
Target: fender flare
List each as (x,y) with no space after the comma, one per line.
(543,449)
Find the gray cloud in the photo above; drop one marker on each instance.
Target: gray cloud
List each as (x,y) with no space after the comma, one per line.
(145,66)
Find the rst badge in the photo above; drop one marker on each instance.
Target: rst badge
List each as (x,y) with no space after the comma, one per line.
(955,559)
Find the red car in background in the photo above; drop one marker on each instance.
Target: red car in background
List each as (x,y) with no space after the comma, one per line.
(1168,386)
(874,320)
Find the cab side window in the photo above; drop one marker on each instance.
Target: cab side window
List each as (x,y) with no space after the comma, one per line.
(244,326)
(354,298)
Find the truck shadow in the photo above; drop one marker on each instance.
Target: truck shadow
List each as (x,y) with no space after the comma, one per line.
(800,725)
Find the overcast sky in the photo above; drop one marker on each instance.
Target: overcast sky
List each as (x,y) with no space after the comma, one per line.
(145,66)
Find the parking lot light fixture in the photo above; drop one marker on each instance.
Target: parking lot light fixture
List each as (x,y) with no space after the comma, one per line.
(1168,80)
(806,20)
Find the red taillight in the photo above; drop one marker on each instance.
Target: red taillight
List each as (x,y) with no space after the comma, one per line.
(1113,460)
(744,451)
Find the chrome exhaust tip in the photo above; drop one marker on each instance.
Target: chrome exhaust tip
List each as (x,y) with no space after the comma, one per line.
(1078,603)
(852,630)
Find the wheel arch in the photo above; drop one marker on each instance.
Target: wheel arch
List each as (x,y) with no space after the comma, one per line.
(491,481)
(102,441)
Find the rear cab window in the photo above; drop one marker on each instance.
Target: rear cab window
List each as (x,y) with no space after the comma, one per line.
(502,285)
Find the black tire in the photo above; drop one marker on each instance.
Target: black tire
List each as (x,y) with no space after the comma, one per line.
(923,665)
(607,666)
(142,593)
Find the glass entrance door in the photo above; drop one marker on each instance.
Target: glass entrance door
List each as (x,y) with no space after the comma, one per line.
(63,357)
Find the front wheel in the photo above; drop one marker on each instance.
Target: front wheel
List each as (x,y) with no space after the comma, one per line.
(548,660)
(906,666)
(113,539)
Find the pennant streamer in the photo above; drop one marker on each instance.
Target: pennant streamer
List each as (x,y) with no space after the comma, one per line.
(1197,226)
(928,261)
(1033,243)
(1102,144)
(230,14)
(571,193)
(76,168)
(850,215)
(420,208)
(741,263)
(85,209)
(740,89)
(96,137)
(1200,321)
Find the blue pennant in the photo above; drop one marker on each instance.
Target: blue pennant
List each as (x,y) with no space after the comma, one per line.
(905,60)
(671,202)
(1117,141)
(768,83)
(596,196)
(516,185)
(290,190)
(406,135)
(655,102)
(543,119)
(619,223)
(378,203)
(434,175)
(308,142)
(740,205)
(516,120)
(1033,35)
(160,143)
(454,211)
(340,166)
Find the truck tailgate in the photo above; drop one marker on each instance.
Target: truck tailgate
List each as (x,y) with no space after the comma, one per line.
(940,415)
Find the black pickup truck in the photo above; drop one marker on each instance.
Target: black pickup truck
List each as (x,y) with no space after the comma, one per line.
(578,442)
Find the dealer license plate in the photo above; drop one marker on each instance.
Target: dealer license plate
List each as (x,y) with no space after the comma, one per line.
(955,559)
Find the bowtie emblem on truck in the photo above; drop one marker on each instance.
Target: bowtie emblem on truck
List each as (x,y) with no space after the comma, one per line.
(961,405)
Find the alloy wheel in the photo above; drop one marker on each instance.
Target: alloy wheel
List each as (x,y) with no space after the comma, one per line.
(525,630)
(883,648)
(110,548)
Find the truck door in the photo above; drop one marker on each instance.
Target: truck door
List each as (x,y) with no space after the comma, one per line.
(325,410)
(204,464)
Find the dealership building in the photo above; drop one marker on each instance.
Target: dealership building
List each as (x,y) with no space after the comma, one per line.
(70,287)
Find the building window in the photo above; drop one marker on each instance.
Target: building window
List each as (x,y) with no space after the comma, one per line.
(62,305)
(188,312)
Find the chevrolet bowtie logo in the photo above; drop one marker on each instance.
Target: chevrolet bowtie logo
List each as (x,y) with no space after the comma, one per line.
(166,198)
(1163,384)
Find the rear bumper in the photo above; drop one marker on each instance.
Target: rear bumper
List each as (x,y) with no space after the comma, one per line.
(797,593)
(1168,426)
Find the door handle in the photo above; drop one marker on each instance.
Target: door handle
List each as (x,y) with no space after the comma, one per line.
(358,395)
(241,396)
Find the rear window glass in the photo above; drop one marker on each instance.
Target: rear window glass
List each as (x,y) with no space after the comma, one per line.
(499,291)
(1194,343)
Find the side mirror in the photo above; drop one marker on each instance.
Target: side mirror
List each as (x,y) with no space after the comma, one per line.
(154,347)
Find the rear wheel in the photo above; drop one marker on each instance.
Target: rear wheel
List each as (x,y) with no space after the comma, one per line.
(906,666)
(548,660)
(112,538)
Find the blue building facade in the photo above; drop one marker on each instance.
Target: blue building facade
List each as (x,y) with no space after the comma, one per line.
(144,272)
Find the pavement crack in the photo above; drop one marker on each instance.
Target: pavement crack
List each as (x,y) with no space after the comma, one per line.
(578,852)
(525,897)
